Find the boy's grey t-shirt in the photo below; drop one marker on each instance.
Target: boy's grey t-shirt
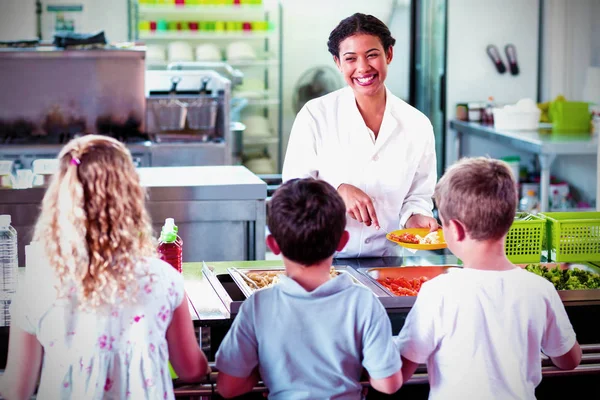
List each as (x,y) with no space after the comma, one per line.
(311,345)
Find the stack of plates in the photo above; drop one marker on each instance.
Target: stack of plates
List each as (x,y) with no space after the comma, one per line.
(180,51)
(256,125)
(208,52)
(240,51)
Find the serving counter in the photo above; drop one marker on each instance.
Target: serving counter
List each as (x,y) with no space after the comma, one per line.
(210,205)
(213,315)
(216,296)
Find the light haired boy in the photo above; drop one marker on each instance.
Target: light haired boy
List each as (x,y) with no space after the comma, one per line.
(480,329)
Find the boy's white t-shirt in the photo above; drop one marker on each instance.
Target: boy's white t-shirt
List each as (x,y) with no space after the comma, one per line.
(480,333)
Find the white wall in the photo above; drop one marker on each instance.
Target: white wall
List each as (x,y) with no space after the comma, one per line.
(571,44)
(18,19)
(567,46)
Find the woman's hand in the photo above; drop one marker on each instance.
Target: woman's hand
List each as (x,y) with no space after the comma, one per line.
(358,204)
(422,221)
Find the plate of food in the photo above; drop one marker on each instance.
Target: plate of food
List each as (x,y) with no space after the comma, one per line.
(418,238)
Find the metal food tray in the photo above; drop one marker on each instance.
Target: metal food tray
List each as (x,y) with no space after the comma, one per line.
(247,290)
(408,272)
(575,297)
(232,293)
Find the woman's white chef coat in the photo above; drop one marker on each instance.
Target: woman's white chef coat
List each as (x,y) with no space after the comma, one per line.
(330,141)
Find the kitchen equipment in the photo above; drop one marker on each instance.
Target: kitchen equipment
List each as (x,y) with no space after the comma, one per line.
(171,113)
(208,98)
(98,91)
(494,54)
(202,112)
(234,287)
(511,56)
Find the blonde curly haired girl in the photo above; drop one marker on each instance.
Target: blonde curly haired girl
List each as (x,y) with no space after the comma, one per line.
(107,315)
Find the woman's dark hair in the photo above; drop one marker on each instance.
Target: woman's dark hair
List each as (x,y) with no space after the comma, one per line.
(359,23)
(307,218)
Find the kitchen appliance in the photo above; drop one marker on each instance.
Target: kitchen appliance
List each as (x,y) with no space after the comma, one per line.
(51,95)
(205,96)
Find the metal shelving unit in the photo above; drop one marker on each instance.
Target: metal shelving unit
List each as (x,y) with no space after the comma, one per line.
(210,25)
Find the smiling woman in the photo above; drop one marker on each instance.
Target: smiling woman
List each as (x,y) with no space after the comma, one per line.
(375,149)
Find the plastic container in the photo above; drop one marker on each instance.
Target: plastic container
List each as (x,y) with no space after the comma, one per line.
(572,236)
(475,111)
(570,117)
(525,239)
(170,245)
(514,162)
(8,267)
(529,203)
(511,119)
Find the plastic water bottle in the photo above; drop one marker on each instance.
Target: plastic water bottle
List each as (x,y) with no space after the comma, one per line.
(170,245)
(8,267)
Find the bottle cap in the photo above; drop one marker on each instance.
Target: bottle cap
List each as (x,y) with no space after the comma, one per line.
(5,220)
(168,232)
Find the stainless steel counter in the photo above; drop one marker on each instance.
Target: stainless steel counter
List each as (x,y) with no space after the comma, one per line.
(220,210)
(543,142)
(144,154)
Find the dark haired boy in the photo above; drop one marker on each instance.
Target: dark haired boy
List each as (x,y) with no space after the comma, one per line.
(311,335)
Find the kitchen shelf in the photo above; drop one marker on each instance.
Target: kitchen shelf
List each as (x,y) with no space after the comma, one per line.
(263,102)
(234,64)
(253,63)
(260,140)
(542,142)
(200,35)
(212,9)
(265,42)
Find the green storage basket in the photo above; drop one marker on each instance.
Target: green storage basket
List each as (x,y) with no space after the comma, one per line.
(573,236)
(525,238)
(570,117)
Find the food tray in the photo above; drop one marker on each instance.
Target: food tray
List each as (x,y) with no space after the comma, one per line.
(573,236)
(247,290)
(525,239)
(579,296)
(391,300)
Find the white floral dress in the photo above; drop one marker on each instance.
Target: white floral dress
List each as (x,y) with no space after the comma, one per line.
(116,353)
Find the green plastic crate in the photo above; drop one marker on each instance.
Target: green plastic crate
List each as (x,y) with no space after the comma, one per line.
(525,238)
(573,236)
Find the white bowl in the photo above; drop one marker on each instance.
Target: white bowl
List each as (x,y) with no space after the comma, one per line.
(256,125)
(180,51)
(240,51)
(514,120)
(156,53)
(208,52)
(262,165)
